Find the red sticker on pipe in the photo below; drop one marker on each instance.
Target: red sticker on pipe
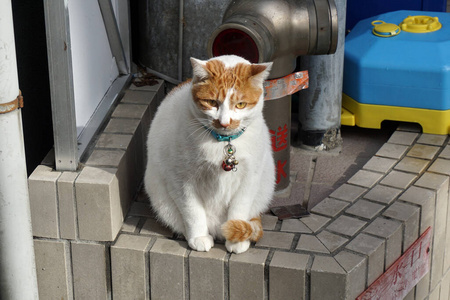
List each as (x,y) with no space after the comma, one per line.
(287,85)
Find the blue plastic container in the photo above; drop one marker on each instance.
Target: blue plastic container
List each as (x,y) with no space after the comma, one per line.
(409,70)
(404,77)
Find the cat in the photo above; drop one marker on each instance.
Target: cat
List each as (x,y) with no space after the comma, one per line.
(210,171)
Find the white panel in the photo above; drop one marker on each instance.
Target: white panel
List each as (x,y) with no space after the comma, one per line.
(94,68)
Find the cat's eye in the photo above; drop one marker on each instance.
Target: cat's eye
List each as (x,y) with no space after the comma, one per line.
(241,105)
(212,103)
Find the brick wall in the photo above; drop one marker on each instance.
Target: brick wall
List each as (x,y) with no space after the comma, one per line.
(86,248)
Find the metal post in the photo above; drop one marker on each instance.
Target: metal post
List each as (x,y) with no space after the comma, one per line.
(17,265)
(320,104)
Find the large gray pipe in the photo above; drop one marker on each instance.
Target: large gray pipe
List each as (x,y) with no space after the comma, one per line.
(17,266)
(320,104)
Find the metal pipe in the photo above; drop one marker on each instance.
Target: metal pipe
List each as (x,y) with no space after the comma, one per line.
(320,104)
(17,265)
(180,41)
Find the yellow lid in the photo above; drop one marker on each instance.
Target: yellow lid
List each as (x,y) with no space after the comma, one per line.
(420,24)
(384,29)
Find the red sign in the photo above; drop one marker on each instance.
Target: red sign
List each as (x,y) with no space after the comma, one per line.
(280,170)
(279,138)
(404,274)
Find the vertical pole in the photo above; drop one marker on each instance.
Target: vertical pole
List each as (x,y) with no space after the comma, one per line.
(320,104)
(17,265)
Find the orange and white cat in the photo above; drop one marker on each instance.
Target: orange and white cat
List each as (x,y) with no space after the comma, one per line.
(210,171)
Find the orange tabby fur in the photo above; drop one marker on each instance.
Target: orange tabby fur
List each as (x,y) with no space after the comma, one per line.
(221,80)
(240,230)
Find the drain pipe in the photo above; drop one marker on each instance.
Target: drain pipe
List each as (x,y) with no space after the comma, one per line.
(320,104)
(17,265)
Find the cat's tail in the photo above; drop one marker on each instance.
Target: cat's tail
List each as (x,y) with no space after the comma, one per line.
(240,230)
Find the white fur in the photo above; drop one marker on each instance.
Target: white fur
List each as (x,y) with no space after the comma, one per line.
(188,188)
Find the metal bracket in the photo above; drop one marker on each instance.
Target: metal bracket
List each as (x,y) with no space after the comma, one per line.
(12,105)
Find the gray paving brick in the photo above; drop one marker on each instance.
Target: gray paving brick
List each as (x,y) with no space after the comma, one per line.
(141,209)
(365,178)
(132,111)
(410,295)
(435,294)
(53,271)
(331,241)
(130,224)
(294,225)
(409,215)
(152,227)
(383,194)
(268,221)
(329,207)
(124,126)
(398,179)
(365,209)
(247,274)
(445,286)
(355,266)
(403,138)
(445,153)
(326,272)
(206,273)
(99,206)
(138,97)
(130,267)
(287,275)
(311,243)
(391,231)
(90,276)
(114,141)
(167,269)
(392,151)
(380,164)
(43,202)
(346,225)
(440,166)
(412,165)
(432,139)
(438,261)
(110,158)
(446,265)
(348,192)
(66,200)
(432,181)
(423,287)
(423,151)
(373,248)
(426,200)
(275,239)
(315,222)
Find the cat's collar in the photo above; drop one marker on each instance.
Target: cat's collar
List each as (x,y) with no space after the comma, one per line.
(225,138)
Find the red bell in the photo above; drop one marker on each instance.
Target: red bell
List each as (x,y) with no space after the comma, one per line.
(227,167)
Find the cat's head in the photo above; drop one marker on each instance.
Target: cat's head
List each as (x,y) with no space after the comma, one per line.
(228,91)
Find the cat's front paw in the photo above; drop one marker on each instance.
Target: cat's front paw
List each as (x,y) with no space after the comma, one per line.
(201,243)
(238,247)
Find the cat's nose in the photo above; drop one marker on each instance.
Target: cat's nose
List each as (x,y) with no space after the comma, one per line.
(224,125)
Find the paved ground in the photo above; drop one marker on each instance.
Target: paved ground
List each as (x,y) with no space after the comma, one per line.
(315,175)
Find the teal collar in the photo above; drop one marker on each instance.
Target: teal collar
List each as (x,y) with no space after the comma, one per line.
(226,138)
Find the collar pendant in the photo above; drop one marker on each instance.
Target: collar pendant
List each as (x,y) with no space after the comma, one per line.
(229,163)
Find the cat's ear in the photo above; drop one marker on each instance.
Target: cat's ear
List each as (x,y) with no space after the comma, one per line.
(199,70)
(260,72)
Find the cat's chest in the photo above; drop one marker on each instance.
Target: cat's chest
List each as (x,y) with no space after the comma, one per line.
(216,153)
